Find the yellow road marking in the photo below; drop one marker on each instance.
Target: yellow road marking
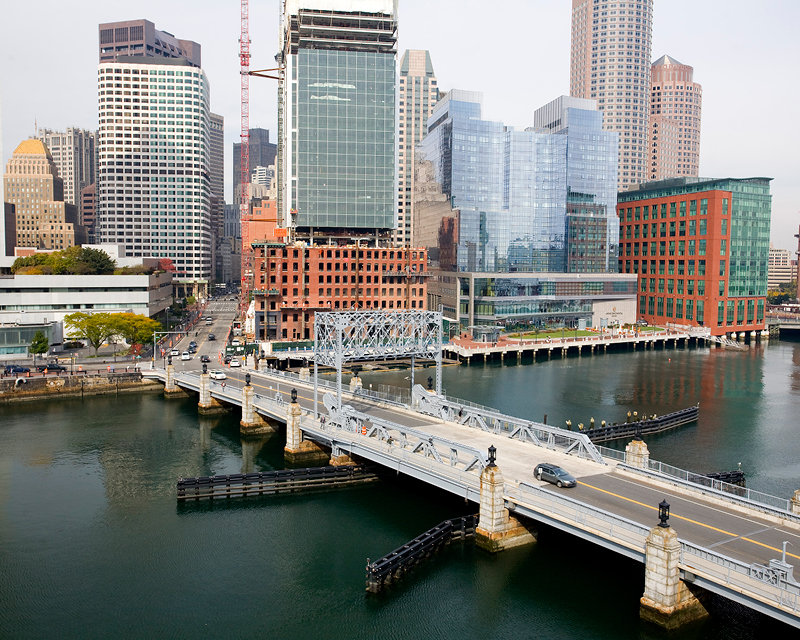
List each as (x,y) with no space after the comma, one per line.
(700,524)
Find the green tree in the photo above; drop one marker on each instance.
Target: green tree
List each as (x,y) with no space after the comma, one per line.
(70,261)
(191,300)
(39,345)
(135,329)
(98,261)
(95,328)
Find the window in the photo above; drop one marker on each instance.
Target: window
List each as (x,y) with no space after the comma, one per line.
(700,312)
(670,303)
(702,248)
(724,227)
(689,309)
(722,287)
(722,267)
(660,306)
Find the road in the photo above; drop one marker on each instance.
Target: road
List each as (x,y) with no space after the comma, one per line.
(222,313)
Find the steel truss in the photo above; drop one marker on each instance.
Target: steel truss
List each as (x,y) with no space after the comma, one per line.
(347,336)
(541,435)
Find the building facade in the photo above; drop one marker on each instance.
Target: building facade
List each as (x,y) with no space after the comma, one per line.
(610,62)
(32,185)
(336,117)
(87,210)
(675,107)
(262,154)
(293,282)
(154,190)
(418,93)
(74,153)
(140,38)
(781,268)
(700,250)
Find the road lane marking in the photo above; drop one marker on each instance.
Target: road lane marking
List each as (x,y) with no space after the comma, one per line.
(700,524)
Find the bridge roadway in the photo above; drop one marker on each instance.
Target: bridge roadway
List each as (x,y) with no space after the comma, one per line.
(611,506)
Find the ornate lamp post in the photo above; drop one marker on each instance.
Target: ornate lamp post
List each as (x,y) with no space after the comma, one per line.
(492,456)
(294,396)
(663,514)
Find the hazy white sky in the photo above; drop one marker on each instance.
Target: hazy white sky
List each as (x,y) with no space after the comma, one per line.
(515,51)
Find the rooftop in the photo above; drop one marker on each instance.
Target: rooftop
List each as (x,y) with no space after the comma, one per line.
(32,147)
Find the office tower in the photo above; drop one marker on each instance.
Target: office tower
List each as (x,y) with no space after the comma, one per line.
(216,162)
(154,188)
(610,62)
(262,154)
(700,248)
(780,268)
(88,210)
(418,93)
(73,152)
(32,185)
(336,117)
(675,106)
(140,38)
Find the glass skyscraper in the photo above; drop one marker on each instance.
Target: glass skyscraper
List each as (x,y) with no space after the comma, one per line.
(337,147)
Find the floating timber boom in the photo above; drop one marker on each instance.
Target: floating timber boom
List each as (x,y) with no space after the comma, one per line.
(643,427)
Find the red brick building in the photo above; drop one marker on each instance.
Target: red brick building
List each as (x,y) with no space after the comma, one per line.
(700,249)
(294,281)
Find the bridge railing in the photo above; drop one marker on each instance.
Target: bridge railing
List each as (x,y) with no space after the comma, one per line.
(611,454)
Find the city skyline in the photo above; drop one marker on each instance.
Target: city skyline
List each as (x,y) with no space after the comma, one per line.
(463,59)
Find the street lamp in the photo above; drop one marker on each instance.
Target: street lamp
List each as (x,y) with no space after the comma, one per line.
(492,456)
(663,514)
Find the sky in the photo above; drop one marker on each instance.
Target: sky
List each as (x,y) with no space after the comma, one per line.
(515,51)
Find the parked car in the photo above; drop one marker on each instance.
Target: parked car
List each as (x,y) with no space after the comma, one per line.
(236,343)
(236,363)
(211,336)
(186,356)
(216,374)
(15,368)
(205,359)
(555,475)
(51,367)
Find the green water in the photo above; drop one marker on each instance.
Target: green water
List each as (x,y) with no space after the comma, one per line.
(93,545)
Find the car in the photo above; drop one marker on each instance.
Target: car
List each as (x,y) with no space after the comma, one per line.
(192,350)
(216,374)
(235,343)
(193,343)
(15,368)
(555,475)
(235,363)
(205,359)
(186,356)
(175,352)
(211,336)
(51,367)
(228,358)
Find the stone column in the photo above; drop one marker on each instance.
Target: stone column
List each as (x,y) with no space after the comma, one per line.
(496,530)
(796,502)
(298,451)
(637,454)
(667,600)
(252,423)
(305,374)
(355,384)
(262,364)
(207,405)
(172,390)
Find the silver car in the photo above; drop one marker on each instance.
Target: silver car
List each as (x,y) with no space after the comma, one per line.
(555,475)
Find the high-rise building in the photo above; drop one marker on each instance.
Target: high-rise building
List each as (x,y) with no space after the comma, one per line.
(140,38)
(32,185)
(73,152)
(154,188)
(216,163)
(610,62)
(88,210)
(262,154)
(700,248)
(675,107)
(336,117)
(418,94)
(781,269)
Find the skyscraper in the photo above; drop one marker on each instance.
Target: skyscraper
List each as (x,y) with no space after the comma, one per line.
(32,185)
(610,62)
(262,154)
(73,152)
(140,38)
(675,105)
(336,116)
(418,94)
(154,188)
(216,164)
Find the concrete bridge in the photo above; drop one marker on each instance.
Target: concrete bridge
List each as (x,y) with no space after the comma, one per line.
(718,538)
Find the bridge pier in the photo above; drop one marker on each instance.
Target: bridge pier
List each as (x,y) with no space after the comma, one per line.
(340,459)
(252,423)
(355,384)
(637,454)
(172,390)
(496,530)
(796,502)
(667,601)
(297,450)
(305,374)
(206,405)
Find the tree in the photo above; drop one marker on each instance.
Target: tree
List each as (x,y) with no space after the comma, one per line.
(99,261)
(135,329)
(95,328)
(71,261)
(39,345)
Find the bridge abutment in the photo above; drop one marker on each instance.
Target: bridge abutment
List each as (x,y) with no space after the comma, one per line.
(206,405)
(297,450)
(496,530)
(340,459)
(252,423)
(667,601)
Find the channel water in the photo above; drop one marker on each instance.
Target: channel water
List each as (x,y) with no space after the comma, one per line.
(94,545)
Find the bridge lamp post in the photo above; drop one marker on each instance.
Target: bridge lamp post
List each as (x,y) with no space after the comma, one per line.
(246,379)
(663,514)
(492,456)
(294,396)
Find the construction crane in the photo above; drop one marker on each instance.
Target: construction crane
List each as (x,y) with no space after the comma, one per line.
(245,215)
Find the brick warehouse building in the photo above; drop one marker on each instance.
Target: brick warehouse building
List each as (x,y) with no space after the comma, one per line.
(294,281)
(700,248)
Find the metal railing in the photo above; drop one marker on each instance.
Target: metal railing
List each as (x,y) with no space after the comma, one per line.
(609,453)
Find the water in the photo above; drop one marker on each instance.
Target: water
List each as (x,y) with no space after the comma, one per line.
(93,544)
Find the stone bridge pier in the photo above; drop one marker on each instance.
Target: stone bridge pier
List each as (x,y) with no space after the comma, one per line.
(206,405)
(252,423)
(497,530)
(172,390)
(298,451)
